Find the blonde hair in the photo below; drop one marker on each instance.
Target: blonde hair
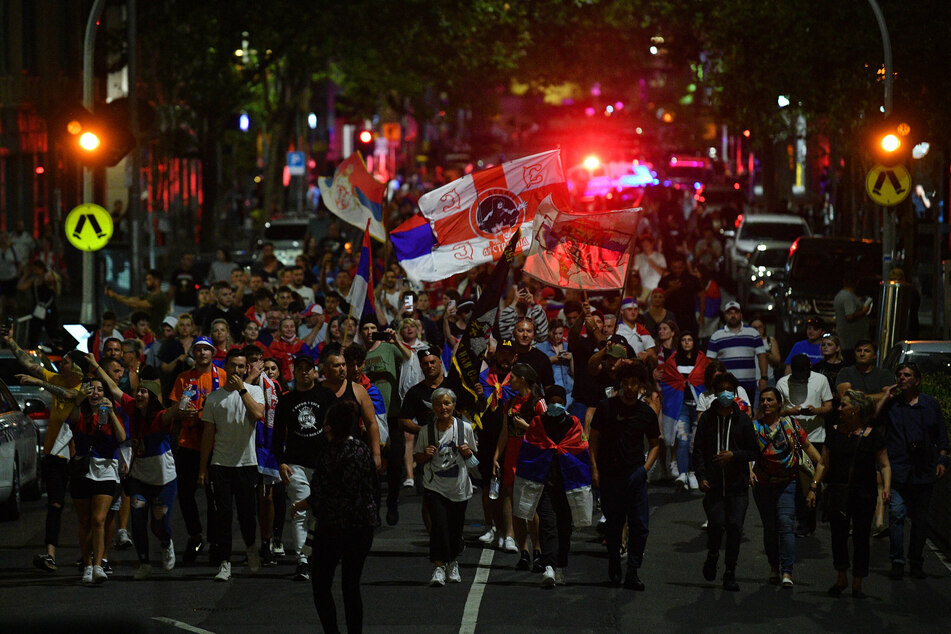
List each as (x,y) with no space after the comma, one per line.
(420,333)
(211,332)
(862,402)
(185,318)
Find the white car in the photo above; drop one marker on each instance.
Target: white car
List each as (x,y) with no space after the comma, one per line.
(19,456)
(753,230)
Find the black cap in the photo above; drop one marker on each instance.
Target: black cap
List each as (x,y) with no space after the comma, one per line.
(427,352)
(304,360)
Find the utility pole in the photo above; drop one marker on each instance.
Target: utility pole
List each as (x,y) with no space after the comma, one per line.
(888,216)
(135,199)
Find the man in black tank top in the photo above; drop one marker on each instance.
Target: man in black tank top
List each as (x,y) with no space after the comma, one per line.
(335,373)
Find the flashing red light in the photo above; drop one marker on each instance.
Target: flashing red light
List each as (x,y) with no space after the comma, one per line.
(736,185)
(366,136)
(739,221)
(793,247)
(40,170)
(592,163)
(746,133)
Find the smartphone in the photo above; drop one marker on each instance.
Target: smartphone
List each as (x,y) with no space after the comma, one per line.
(452,304)
(7,326)
(380,336)
(408,303)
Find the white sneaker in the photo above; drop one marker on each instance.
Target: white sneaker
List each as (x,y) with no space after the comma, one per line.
(277,547)
(254,559)
(488,537)
(123,540)
(500,543)
(409,482)
(674,471)
(510,545)
(144,571)
(548,577)
(560,576)
(224,571)
(692,480)
(168,556)
(682,483)
(656,473)
(439,577)
(452,572)
(98,575)
(704,525)
(87,576)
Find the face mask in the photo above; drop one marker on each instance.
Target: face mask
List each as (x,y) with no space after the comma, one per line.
(555,410)
(724,398)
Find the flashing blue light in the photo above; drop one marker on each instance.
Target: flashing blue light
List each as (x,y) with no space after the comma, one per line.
(312,121)
(698,185)
(656,182)
(244,122)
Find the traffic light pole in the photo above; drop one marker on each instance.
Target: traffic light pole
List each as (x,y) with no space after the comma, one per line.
(888,216)
(87,311)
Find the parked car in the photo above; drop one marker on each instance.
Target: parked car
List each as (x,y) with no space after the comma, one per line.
(753,230)
(287,236)
(762,276)
(932,357)
(19,456)
(34,401)
(814,274)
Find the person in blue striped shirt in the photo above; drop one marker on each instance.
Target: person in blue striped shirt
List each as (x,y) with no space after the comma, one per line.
(741,350)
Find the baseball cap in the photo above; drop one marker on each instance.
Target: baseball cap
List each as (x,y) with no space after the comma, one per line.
(464,306)
(801,367)
(548,292)
(202,341)
(313,309)
(628,302)
(730,305)
(170,321)
(427,352)
(616,350)
(154,387)
(305,360)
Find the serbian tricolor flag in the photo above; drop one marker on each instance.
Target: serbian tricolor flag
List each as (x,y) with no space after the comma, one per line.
(360,297)
(534,461)
(469,221)
(589,251)
(355,196)
(673,386)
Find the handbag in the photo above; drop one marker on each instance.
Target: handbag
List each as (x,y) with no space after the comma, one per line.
(78,466)
(805,469)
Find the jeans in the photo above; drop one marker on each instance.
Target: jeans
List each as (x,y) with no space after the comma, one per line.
(859,518)
(554,527)
(56,475)
(144,498)
(447,520)
(238,484)
(623,498)
(686,428)
(777,510)
(187,462)
(349,547)
(725,514)
(911,501)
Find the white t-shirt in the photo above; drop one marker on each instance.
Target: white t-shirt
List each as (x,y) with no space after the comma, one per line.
(705,400)
(637,336)
(306,293)
(815,393)
(649,277)
(234,426)
(446,473)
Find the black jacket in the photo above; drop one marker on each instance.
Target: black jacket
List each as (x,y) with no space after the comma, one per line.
(734,477)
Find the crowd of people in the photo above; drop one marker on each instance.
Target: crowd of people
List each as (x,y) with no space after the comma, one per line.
(256,390)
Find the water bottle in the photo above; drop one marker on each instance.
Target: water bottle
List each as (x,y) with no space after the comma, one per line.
(103,415)
(186,397)
(494,488)
(472,462)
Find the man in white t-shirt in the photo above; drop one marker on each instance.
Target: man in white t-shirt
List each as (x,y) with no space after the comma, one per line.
(634,331)
(649,263)
(807,397)
(230,414)
(298,286)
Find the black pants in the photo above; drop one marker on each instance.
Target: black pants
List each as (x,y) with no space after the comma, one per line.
(394,461)
(859,518)
(624,498)
(725,514)
(240,484)
(447,519)
(554,526)
(278,495)
(187,462)
(348,547)
(56,475)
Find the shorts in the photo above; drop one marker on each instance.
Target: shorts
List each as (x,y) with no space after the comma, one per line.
(84,488)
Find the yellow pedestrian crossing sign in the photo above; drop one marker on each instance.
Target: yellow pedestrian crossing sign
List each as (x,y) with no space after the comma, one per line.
(88,227)
(888,185)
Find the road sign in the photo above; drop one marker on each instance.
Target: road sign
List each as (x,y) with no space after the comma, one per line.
(88,227)
(888,185)
(296,163)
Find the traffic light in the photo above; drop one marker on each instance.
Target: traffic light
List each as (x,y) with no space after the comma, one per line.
(365,142)
(890,141)
(101,139)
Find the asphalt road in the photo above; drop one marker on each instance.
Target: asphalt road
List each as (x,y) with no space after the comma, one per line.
(397,599)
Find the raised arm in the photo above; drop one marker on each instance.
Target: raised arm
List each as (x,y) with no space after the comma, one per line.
(28,363)
(65,393)
(106,379)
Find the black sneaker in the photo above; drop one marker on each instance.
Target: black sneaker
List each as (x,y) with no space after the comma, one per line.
(537,562)
(277,548)
(729,581)
(267,559)
(392,514)
(192,548)
(710,566)
(302,573)
(615,574)
(524,562)
(632,581)
(106,568)
(45,562)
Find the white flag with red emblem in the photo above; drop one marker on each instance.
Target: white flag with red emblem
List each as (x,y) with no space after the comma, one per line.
(588,250)
(470,221)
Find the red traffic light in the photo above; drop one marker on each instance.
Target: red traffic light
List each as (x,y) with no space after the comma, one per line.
(365,136)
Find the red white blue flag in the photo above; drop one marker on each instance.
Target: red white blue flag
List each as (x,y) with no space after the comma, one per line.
(471,220)
(355,196)
(360,297)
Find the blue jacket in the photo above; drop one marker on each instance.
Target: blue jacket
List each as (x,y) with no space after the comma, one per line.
(914,436)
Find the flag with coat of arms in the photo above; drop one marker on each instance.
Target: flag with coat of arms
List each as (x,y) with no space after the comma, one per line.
(469,221)
(354,196)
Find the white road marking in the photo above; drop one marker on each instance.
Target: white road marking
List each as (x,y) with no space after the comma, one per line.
(939,554)
(471,613)
(182,626)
